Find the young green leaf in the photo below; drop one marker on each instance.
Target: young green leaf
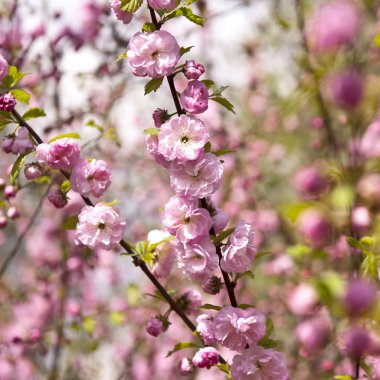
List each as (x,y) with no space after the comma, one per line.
(223,235)
(33,113)
(16,168)
(222,152)
(186,12)
(208,306)
(153,85)
(184,50)
(151,131)
(181,346)
(72,135)
(91,123)
(21,95)
(208,83)
(70,223)
(148,27)
(121,56)
(225,103)
(130,6)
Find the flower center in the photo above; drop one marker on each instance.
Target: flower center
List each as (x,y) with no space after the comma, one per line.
(155,54)
(184,139)
(187,220)
(101,226)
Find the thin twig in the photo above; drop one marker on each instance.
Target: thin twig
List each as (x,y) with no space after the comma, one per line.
(21,238)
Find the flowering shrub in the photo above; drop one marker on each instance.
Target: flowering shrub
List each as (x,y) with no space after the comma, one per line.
(229,242)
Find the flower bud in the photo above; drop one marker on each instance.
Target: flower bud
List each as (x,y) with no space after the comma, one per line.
(302,300)
(32,171)
(313,334)
(10,191)
(213,285)
(360,296)
(193,69)
(160,116)
(13,213)
(356,342)
(3,221)
(57,198)
(7,102)
(315,228)
(309,181)
(195,97)
(185,367)
(206,357)
(154,327)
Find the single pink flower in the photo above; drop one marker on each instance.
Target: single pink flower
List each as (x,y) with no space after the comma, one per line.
(195,97)
(240,250)
(99,227)
(236,328)
(205,328)
(206,357)
(185,220)
(123,16)
(198,178)
(193,69)
(4,68)
(197,260)
(153,54)
(60,154)
(90,177)
(258,363)
(182,138)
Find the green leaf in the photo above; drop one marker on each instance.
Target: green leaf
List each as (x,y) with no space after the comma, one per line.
(247,273)
(283,23)
(369,265)
(72,135)
(153,85)
(16,168)
(186,12)
(343,377)
(153,246)
(207,147)
(65,186)
(88,324)
(181,346)
(245,306)
(121,56)
(142,247)
(184,50)
(222,152)
(21,95)
(43,179)
(208,83)
(149,27)
(33,113)
(376,40)
(111,135)
(225,103)
(130,6)
(353,242)
(259,255)
(224,367)
(116,318)
(91,123)
(217,240)
(151,131)
(208,306)
(189,2)
(269,343)
(292,211)
(13,77)
(219,91)
(70,223)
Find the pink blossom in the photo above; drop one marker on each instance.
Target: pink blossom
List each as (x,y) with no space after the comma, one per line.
(182,138)
(206,357)
(356,342)
(152,148)
(100,226)
(153,54)
(32,171)
(239,251)
(309,181)
(160,116)
(4,68)
(60,154)
(195,97)
(197,260)
(190,301)
(302,300)
(313,334)
(165,253)
(7,102)
(346,89)
(90,177)
(213,285)
(315,227)
(259,363)
(360,296)
(198,178)
(154,327)
(335,24)
(219,219)
(162,4)
(19,144)
(370,142)
(123,16)
(57,198)
(236,328)
(193,69)
(205,328)
(185,367)
(185,220)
